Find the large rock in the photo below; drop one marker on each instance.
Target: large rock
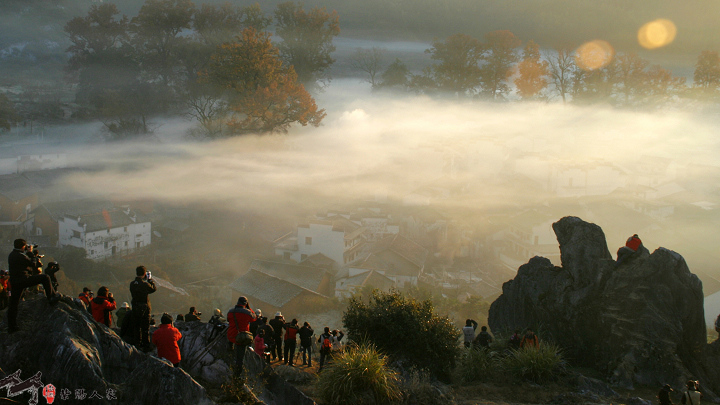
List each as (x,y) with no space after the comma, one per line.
(639,322)
(73,352)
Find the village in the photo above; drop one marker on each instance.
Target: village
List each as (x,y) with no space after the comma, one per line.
(432,238)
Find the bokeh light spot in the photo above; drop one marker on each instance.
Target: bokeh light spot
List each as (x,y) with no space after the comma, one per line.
(656,34)
(594,55)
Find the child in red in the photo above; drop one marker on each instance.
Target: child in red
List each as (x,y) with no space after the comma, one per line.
(259,344)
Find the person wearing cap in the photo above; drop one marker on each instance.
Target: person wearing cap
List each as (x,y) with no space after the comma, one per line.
(277,324)
(166,339)
(120,314)
(85,296)
(239,319)
(663,395)
(693,395)
(22,269)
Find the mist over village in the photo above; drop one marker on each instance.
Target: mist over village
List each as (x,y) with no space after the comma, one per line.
(335,161)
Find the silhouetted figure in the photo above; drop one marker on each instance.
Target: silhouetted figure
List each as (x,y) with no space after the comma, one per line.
(664,395)
(192,315)
(469,331)
(631,247)
(140,288)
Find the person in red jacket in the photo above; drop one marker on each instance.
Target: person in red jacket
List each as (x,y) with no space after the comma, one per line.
(632,245)
(166,339)
(239,319)
(102,305)
(291,330)
(86,296)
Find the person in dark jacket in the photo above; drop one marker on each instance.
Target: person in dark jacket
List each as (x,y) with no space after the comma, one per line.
(291,330)
(120,314)
(306,333)
(483,339)
(256,325)
(166,339)
(325,341)
(140,288)
(22,269)
(277,324)
(515,339)
(664,395)
(693,395)
(239,319)
(102,306)
(192,315)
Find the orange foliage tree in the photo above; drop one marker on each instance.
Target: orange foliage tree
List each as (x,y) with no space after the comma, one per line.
(532,72)
(263,95)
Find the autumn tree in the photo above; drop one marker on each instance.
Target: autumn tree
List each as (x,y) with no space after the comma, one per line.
(562,68)
(456,69)
(662,85)
(215,25)
(263,94)
(632,83)
(532,72)
(707,72)
(306,39)
(368,61)
(596,85)
(498,58)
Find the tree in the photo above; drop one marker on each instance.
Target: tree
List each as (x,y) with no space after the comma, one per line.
(707,72)
(632,78)
(594,86)
(405,329)
(395,76)
(532,72)
(662,85)
(158,40)
(368,61)
(263,94)
(561,66)
(306,39)
(498,58)
(456,70)
(8,116)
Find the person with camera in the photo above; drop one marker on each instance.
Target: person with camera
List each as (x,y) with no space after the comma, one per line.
(277,324)
(24,273)
(4,291)
(140,288)
(86,296)
(238,333)
(192,315)
(166,339)
(102,306)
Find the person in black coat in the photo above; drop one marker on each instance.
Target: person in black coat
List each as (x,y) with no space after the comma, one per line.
(23,271)
(277,324)
(140,288)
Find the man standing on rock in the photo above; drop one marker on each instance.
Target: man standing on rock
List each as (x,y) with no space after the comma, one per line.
(140,288)
(239,319)
(21,268)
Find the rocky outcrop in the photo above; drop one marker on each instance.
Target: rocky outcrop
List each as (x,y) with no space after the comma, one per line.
(73,353)
(639,322)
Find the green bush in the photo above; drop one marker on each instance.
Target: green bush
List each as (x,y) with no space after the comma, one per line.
(406,329)
(358,376)
(418,389)
(476,365)
(535,364)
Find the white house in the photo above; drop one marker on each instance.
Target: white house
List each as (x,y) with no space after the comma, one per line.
(106,233)
(339,239)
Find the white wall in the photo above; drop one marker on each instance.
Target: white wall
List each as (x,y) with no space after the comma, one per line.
(100,244)
(324,240)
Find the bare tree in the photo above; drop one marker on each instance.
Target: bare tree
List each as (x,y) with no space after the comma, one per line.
(368,61)
(562,70)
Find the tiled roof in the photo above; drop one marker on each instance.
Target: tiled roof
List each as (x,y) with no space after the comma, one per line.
(304,276)
(272,290)
(76,208)
(113,219)
(403,246)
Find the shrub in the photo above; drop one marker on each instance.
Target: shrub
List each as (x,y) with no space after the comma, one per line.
(358,376)
(535,364)
(419,389)
(406,329)
(476,365)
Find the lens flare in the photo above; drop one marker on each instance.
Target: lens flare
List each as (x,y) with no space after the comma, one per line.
(656,34)
(594,55)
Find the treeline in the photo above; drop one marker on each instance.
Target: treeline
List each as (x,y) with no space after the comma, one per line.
(214,63)
(464,66)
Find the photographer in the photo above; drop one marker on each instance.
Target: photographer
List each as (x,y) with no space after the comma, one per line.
(4,292)
(238,333)
(277,324)
(102,305)
(50,270)
(166,339)
(86,296)
(192,315)
(23,274)
(140,288)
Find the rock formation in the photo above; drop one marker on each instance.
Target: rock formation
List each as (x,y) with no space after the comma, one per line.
(639,322)
(73,353)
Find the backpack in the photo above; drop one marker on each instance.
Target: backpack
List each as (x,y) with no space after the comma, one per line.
(326,346)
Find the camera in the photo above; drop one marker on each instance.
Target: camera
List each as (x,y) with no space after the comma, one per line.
(199,313)
(149,275)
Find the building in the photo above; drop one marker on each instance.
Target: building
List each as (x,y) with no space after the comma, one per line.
(314,279)
(351,284)
(273,294)
(338,238)
(44,219)
(528,235)
(106,233)
(395,257)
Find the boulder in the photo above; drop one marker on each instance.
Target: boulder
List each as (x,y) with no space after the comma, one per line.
(73,352)
(639,322)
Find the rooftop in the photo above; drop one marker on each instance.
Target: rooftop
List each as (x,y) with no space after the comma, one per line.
(270,289)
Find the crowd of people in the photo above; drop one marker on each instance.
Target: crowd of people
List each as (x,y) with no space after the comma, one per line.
(273,340)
